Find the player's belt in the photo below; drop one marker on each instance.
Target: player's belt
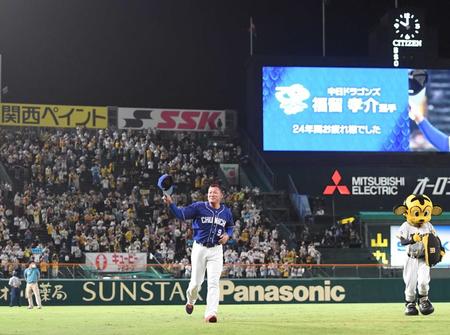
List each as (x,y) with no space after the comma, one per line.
(421,257)
(207,244)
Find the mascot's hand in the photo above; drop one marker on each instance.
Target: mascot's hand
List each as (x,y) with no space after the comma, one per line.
(416,237)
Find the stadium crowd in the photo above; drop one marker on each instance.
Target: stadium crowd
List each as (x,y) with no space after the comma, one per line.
(340,234)
(94,191)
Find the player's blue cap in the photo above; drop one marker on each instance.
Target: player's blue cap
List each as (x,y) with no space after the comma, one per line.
(165,183)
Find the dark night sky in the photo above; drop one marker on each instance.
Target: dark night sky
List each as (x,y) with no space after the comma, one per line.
(172,53)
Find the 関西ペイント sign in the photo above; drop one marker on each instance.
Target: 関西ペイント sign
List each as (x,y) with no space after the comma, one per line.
(60,116)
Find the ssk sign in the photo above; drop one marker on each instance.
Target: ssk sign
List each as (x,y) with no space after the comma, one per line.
(171,119)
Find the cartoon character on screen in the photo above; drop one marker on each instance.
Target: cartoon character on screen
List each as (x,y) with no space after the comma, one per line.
(423,250)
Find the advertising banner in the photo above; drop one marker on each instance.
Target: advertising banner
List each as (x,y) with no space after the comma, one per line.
(379,242)
(398,251)
(116,262)
(59,116)
(171,119)
(372,189)
(231,172)
(262,291)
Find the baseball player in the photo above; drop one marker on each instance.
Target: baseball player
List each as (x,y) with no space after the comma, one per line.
(212,225)
(417,209)
(418,109)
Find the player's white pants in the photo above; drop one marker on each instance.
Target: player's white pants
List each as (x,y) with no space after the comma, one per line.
(211,260)
(416,273)
(29,290)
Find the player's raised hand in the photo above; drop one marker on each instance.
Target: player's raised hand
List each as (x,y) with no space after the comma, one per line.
(416,114)
(167,199)
(224,238)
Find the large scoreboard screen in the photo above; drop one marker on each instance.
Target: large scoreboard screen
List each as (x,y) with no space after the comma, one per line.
(354,109)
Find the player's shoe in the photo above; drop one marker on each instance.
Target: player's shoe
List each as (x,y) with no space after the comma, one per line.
(189,308)
(426,307)
(411,309)
(211,318)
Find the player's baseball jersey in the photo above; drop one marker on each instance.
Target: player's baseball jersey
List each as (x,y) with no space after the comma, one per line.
(406,231)
(208,223)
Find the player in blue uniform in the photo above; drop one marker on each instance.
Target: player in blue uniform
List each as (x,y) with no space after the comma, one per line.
(418,108)
(213,226)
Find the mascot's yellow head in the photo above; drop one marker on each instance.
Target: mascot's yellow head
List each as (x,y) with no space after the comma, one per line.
(417,209)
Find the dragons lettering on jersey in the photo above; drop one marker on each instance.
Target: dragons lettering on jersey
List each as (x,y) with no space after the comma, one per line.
(216,220)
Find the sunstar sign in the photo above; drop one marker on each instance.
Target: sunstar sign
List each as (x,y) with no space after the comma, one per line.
(364,185)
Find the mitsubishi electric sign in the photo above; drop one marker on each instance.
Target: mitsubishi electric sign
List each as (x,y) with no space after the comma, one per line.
(372,189)
(371,185)
(364,185)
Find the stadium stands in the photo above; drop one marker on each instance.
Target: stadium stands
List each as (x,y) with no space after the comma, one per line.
(76,191)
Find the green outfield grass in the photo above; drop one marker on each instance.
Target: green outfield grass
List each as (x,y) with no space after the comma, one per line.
(233,320)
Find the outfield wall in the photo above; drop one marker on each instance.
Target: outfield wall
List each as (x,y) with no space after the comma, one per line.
(172,292)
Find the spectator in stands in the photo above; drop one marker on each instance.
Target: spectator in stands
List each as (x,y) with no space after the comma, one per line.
(43,265)
(314,254)
(55,266)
